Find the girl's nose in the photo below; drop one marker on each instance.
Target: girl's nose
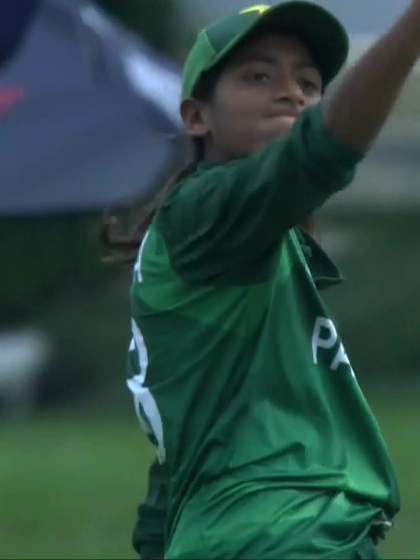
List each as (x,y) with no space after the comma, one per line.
(288,90)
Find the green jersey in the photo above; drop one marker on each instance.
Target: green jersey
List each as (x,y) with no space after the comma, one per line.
(238,372)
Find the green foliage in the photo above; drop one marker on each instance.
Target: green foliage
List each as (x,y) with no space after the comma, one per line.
(155,20)
(42,257)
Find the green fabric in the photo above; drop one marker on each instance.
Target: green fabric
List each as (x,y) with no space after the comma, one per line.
(367,551)
(324,34)
(237,369)
(148,535)
(301,525)
(248,222)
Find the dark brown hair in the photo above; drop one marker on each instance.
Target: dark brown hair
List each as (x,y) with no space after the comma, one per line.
(124,248)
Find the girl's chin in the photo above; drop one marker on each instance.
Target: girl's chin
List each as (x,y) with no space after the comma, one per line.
(283,127)
(280,130)
(275,135)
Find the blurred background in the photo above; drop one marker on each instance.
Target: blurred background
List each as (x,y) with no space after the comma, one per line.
(89,126)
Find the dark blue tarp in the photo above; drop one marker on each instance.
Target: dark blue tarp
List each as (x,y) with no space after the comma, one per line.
(85,113)
(15,16)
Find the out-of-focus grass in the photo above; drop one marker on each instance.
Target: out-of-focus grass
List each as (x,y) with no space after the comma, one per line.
(70,480)
(397,409)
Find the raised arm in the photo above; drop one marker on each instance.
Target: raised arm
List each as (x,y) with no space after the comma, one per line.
(244,208)
(359,107)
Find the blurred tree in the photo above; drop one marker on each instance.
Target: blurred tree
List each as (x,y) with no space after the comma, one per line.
(55,283)
(156,20)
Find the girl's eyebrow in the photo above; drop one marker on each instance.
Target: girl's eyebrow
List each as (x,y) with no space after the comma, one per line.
(257,57)
(266,58)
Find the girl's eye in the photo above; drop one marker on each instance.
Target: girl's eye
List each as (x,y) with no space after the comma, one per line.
(261,77)
(308,86)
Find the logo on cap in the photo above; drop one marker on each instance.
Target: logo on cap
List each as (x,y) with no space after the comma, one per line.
(260,8)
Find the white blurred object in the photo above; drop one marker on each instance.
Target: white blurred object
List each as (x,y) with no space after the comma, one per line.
(23,356)
(159,85)
(149,77)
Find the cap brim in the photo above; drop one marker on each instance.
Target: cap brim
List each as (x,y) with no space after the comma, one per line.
(324,35)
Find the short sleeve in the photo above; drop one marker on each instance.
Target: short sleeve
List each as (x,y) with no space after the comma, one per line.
(234,215)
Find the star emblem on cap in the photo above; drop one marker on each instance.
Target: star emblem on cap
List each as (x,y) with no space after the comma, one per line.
(260,8)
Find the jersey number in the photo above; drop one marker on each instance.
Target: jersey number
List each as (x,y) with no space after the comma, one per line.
(144,402)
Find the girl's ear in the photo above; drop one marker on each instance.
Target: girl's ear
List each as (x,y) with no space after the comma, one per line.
(195,118)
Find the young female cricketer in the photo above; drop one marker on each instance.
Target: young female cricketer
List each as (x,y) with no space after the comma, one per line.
(266,445)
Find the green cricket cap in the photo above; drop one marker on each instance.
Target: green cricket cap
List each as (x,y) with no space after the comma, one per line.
(323,33)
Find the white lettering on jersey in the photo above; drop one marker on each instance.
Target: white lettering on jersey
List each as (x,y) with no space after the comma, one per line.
(325,337)
(326,327)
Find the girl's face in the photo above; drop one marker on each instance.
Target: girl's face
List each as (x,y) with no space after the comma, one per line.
(263,88)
